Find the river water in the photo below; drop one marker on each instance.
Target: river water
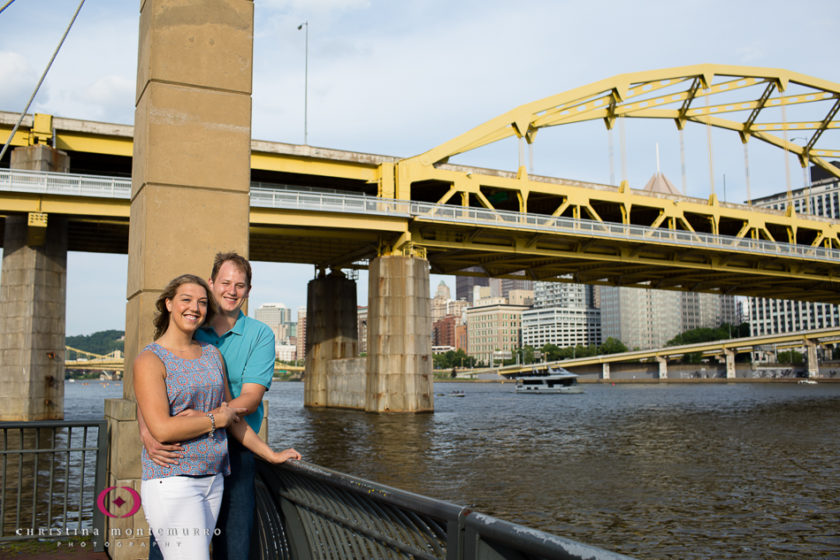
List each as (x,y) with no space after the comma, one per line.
(653,471)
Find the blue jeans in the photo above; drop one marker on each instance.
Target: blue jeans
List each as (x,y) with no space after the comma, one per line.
(236,516)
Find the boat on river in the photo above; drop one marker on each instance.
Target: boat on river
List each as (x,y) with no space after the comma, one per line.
(554,381)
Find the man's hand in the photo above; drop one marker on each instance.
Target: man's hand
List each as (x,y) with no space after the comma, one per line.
(163,454)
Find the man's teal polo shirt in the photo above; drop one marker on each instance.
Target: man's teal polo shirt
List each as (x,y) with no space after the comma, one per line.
(248,351)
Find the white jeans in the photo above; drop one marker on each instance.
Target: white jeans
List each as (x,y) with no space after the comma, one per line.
(182,512)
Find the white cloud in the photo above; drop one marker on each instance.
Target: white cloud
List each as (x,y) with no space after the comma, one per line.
(17,81)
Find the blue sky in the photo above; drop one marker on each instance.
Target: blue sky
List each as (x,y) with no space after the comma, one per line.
(399,78)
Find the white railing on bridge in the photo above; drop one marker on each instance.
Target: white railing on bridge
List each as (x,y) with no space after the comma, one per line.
(68,184)
(292,197)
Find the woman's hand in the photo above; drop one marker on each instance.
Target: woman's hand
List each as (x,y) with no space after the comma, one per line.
(283,456)
(225,415)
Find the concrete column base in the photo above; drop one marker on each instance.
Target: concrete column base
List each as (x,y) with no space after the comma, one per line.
(127,537)
(399,361)
(813,360)
(729,356)
(331,334)
(32,319)
(663,367)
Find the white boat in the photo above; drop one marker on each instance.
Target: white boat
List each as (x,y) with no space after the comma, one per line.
(555,381)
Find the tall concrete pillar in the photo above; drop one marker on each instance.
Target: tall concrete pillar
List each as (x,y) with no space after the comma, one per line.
(190,181)
(605,370)
(33,303)
(729,356)
(331,332)
(813,360)
(399,361)
(663,367)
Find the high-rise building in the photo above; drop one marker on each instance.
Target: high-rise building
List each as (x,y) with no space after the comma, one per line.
(464,284)
(774,316)
(440,303)
(301,333)
(641,319)
(561,315)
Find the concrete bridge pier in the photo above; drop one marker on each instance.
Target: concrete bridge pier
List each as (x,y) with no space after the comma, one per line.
(33,302)
(605,370)
(813,360)
(189,193)
(331,337)
(663,367)
(729,357)
(399,361)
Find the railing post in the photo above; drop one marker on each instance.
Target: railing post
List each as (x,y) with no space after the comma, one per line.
(99,484)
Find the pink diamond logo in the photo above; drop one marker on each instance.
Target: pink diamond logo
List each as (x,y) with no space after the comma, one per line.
(119,502)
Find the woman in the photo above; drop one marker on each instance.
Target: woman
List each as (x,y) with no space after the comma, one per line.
(182,394)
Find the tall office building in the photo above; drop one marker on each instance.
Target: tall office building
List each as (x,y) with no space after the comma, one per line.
(641,319)
(279,318)
(561,316)
(464,284)
(774,316)
(300,340)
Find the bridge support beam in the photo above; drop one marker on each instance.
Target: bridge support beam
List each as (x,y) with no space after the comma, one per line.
(399,361)
(605,370)
(729,357)
(663,367)
(813,360)
(331,334)
(32,303)
(190,183)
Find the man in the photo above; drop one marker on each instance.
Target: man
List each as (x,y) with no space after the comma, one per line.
(247,347)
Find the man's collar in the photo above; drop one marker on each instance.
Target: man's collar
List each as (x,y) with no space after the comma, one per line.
(239,325)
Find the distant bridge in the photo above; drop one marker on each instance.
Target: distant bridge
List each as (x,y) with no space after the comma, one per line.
(115,362)
(719,348)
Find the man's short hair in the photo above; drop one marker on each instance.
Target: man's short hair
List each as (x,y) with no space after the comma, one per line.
(238,260)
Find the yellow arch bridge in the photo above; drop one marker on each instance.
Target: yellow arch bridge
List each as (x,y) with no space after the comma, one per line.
(339,209)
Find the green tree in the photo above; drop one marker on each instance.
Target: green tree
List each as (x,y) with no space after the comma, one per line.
(790,357)
(612,346)
(551,352)
(101,342)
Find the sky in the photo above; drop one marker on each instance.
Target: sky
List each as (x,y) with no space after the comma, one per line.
(399,78)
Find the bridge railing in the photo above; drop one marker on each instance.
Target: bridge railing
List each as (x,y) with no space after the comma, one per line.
(68,184)
(289,197)
(52,473)
(305,512)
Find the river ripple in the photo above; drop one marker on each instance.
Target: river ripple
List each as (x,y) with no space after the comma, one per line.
(738,471)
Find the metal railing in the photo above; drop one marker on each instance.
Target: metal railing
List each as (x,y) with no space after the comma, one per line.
(66,184)
(52,473)
(308,512)
(290,197)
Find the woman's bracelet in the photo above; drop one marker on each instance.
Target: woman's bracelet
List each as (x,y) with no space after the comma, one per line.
(212,422)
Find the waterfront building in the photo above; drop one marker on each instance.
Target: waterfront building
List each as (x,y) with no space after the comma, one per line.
(775,316)
(561,316)
(494,330)
(641,319)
